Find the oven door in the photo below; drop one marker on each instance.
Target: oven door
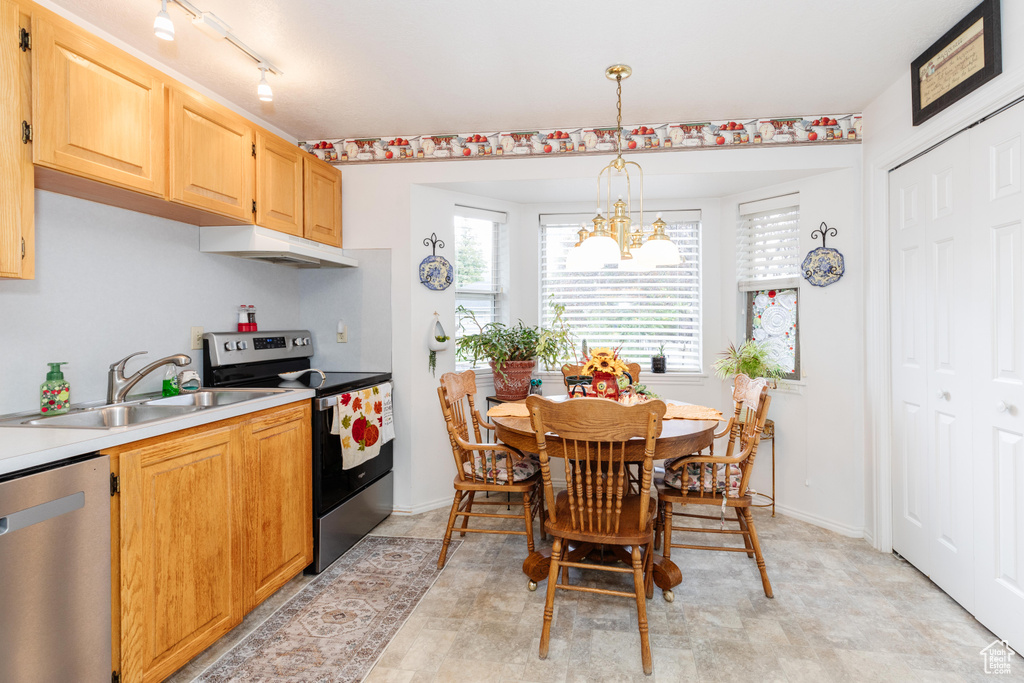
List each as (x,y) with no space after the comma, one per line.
(333,485)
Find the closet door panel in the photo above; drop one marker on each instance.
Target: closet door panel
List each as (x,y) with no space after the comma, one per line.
(909,365)
(998,238)
(950,328)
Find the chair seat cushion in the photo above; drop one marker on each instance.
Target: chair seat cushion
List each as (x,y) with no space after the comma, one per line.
(490,466)
(688,478)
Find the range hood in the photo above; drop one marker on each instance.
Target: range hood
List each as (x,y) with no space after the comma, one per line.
(263,244)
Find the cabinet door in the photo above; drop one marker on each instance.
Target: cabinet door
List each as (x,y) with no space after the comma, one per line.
(210,162)
(322,202)
(182,531)
(278,184)
(98,112)
(16,182)
(279,476)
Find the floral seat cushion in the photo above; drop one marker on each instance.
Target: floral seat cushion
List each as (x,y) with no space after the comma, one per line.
(690,474)
(490,466)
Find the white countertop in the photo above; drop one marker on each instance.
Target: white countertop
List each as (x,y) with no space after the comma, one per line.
(25,447)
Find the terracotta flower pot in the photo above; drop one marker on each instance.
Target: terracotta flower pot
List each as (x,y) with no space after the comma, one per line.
(514,384)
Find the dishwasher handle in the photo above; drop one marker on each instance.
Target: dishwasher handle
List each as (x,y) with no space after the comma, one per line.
(42,512)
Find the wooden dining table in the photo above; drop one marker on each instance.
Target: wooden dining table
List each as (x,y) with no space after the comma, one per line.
(678,438)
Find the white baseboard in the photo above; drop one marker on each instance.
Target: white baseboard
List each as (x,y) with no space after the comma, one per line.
(844,529)
(445,502)
(870,538)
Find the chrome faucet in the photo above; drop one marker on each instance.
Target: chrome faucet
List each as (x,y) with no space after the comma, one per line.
(118,385)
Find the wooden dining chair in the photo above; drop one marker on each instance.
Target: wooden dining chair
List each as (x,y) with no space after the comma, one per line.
(720,481)
(484,467)
(597,506)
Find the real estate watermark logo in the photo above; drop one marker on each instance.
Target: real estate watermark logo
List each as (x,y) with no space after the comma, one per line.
(997,657)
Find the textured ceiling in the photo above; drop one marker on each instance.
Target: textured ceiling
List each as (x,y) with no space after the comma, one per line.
(361,68)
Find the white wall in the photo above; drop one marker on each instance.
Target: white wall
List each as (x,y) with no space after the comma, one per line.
(110,282)
(818,420)
(889,139)
(391,206)
(359,296)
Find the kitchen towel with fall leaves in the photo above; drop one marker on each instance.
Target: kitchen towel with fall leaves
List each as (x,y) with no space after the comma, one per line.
(363,420)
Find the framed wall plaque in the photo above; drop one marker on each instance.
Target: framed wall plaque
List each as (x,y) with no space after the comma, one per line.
(969,55)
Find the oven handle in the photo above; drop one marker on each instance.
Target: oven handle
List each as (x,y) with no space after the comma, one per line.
(326,403)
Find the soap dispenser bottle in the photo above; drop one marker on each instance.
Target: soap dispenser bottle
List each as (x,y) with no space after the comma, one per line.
(55,392)
(171,387)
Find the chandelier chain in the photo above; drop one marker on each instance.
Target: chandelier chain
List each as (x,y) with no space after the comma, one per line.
(618,119)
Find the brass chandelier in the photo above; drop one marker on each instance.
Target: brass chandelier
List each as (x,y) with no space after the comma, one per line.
(616,239)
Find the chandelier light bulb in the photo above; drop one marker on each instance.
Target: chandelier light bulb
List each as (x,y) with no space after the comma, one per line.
(263,89)
(163,27)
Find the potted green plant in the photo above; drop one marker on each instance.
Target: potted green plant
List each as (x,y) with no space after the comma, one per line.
(751,358)
(513,351)
(658,360)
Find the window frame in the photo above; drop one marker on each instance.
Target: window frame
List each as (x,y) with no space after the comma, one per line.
(496,292)
(686,217)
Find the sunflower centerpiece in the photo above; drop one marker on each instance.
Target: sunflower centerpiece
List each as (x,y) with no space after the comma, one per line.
(605,366)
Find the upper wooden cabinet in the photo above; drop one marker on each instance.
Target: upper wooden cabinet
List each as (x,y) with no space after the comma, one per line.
(98,112)
(322,202)
(17,205)
(278,184)
(210,156)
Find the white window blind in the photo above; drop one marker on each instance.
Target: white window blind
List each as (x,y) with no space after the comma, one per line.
(768,243)
(478,267)
(638,311)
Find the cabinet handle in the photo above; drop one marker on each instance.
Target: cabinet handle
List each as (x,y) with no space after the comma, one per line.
(942,395)
(1003,407)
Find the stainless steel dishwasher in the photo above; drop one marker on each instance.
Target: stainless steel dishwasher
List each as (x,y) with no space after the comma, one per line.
(55,574)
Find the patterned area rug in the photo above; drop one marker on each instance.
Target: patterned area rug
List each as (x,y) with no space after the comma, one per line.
(338,626)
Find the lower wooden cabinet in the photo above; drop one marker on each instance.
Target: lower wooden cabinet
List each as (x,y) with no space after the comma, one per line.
(207,524)
(279,500)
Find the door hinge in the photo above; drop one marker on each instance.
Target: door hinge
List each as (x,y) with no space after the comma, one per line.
(115,484)
(22,247)
(254,149)
(254,206)
(26,132)
(115,677)
(24,40)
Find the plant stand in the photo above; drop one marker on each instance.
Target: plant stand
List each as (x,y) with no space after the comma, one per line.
(768,435)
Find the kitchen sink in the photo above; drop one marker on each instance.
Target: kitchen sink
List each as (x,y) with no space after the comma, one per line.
(111,416)
(103,416)
(208,398)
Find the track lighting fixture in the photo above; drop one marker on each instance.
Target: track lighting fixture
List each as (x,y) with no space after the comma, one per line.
(263,89)
(163,27)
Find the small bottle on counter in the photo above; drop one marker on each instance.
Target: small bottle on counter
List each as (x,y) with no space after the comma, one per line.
(243,318)
(251,313)
(171,382)
(55,392)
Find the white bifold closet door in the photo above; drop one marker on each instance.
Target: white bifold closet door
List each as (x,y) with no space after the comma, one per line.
(957,306)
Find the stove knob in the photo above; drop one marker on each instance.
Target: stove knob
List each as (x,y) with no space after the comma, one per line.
(242,346)
(230,346)
(306,341)
(298,341)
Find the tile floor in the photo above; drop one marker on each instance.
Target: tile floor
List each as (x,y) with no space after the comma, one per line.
(842,612)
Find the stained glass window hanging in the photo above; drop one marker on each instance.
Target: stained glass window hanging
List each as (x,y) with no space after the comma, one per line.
(772,318)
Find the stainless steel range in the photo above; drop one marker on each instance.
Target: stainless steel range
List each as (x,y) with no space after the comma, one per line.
(347,503)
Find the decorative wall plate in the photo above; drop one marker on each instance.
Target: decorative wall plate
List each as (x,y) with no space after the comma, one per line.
(823,266)
(436,272)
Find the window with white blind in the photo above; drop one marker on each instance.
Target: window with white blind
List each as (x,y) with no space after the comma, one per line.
(768,275)
(639,311)
(478,264)
(768,243)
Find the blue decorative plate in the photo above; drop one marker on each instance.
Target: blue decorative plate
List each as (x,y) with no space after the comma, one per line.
(436,273)
(823,266)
